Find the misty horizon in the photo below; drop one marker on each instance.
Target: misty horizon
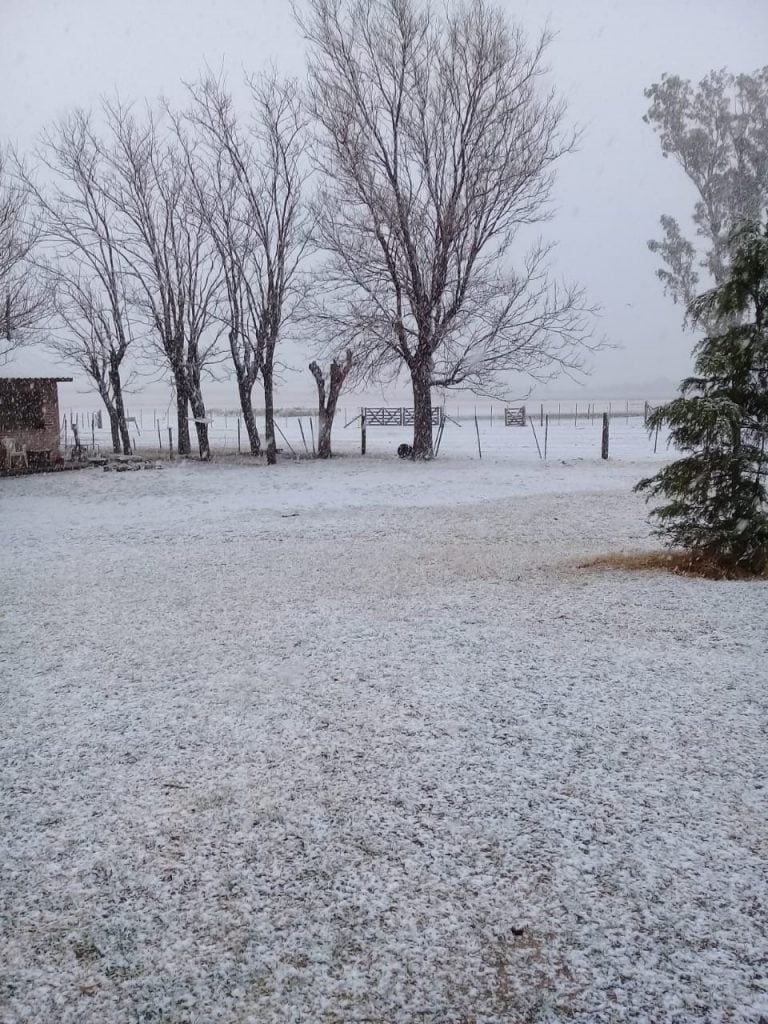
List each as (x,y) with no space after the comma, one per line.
(609,194)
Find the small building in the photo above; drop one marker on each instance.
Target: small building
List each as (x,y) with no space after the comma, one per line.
(29,421)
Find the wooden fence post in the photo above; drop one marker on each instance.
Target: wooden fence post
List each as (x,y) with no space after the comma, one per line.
(159,438)
(606,428)
(301,428)
(170,443)
(362,431)
(238,435)
(546,434)
(477,430)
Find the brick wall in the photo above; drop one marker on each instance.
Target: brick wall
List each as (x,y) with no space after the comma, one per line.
(28,402)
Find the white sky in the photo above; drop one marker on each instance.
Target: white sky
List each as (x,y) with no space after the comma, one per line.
(57,54)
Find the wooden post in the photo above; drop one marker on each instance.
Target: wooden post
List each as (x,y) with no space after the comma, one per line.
(440,430)
(170,443)
(312,433)
(301,428)
(66,442)
(93,432)
(159,437)
(362,431)
(546,434)
(542,414)
(277,428)
(535,438)
(606,422)
(477,430)
(238,435)
(656,439)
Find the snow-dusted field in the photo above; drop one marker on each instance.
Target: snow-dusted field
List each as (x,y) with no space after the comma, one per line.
(360,741)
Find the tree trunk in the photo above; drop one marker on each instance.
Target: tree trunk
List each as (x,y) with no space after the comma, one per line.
(202,441)
(269,415)
(114,426)
(246,404)
(183,444)
(201,424)
(325,423)
(327,406)
(122,426)
(422,412)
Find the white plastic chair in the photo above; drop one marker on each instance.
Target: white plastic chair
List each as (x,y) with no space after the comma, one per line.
(15,453)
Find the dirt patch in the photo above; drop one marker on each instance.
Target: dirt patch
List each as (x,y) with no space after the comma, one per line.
(681,563)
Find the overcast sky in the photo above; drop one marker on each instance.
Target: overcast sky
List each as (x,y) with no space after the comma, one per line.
(58,54)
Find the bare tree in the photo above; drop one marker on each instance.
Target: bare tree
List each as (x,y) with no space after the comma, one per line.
(87,338)
(328,399)
(170,254)
(437,144)
(252,201)
(217,197)
(80,233)
(718,133)
(24,299)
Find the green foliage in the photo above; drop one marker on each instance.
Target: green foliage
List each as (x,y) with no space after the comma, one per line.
(717,131)
(715,499)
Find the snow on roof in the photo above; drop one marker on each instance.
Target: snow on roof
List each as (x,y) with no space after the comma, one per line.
(59,380)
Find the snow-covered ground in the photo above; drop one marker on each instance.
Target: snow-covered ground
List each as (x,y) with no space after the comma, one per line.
(361,741)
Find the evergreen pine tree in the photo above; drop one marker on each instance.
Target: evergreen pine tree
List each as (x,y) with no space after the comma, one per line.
(715,503)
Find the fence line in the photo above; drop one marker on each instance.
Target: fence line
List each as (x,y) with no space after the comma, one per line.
(227,434)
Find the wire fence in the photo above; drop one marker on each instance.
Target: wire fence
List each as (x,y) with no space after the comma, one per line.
(550,430)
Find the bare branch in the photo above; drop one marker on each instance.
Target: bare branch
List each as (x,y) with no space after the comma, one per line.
(250,176)
(24,296)
(437,143)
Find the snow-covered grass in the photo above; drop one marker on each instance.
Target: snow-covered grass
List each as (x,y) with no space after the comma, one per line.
(360,741)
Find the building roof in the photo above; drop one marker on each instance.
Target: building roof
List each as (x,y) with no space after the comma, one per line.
(59,380)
